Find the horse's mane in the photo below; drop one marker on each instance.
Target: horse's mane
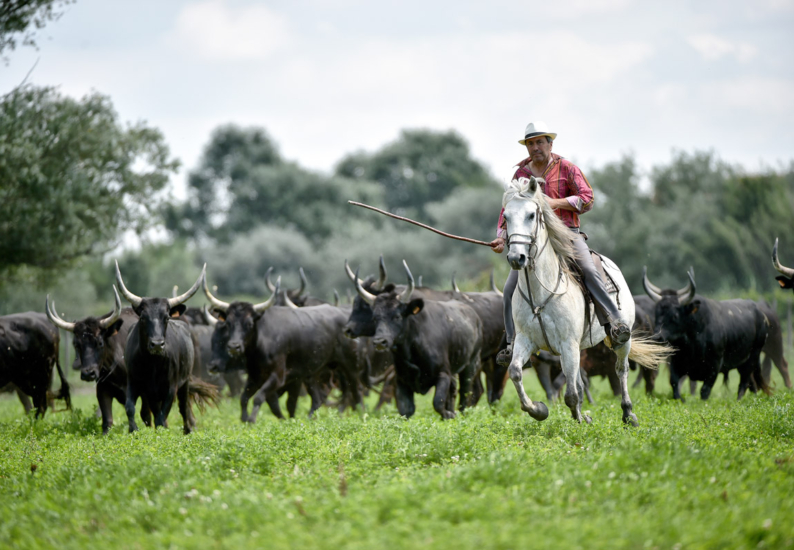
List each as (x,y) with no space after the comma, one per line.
(559,233)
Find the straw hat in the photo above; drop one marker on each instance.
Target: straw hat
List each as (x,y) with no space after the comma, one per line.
(535,129)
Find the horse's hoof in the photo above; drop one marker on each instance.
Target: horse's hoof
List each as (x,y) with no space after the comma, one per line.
(587,418)
(539,411)
(631,419)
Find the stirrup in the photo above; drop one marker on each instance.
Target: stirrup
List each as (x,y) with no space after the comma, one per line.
(619,333)
(505,357)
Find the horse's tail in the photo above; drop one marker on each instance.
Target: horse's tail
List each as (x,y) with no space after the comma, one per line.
(648,352)
(203,393)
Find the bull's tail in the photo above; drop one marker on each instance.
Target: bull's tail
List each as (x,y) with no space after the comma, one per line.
(64,392)
(203,393)
(757,379)
(648,352)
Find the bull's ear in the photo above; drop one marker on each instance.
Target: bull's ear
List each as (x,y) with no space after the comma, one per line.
(219,313)
(414,306)
(784,281)
(113,329)
(692,307)
(178,311)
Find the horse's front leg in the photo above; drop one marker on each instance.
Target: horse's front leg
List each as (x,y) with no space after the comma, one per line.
(574,390)
(522,351)
(622,370)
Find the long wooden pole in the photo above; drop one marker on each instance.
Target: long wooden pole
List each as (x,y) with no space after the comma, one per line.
(409,220)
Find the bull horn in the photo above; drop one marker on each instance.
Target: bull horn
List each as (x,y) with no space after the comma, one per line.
(419,281)
(690,290)
(182,298)
(209,317)
(260,308)
(454,284)
(787,271)
(107,321)
(684,291)
(304,282)
(289,303)
(352,276)
(53,317)
(366,296)
(268,282)
(223,306)
(174,291)
(650,289)
(382,274)
(405,295)
(336,298)
(134,300)
(494,287)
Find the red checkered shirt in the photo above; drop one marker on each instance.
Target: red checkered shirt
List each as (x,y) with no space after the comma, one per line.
(563,180)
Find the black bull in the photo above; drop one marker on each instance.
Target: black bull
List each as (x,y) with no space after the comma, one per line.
(28,352)
(159,355)
(282,348)
(431,342)
(709,337)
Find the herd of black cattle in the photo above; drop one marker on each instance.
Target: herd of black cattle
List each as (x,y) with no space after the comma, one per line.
(396,340)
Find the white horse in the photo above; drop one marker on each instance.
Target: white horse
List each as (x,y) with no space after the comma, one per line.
(549,307)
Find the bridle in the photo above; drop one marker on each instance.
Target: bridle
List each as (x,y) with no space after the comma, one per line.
(530,240)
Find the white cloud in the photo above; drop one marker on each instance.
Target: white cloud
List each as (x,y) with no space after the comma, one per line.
(712,47)
(217,31)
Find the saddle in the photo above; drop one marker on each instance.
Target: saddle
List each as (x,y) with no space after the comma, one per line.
(609,284)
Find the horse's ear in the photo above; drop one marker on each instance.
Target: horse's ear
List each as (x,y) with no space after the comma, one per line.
(533,185)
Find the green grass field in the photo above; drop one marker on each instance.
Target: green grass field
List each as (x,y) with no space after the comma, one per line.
(718,474)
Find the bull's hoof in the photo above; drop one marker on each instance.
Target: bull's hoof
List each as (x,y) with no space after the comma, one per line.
(539,411)
(631,419)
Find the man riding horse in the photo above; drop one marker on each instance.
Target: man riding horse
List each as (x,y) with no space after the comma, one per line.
(569,194)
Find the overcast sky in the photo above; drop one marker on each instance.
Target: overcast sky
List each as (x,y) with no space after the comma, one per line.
(329,77)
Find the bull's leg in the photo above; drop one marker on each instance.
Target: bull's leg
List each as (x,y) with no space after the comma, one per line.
(105,400)
(622,370)
(675,383)
(650,379)
(440,397)
(569,361)
(766,368)
(183,397)
(267,392)
(586,383)
(252,384)
(318,397)
(693,386)
(466,378)
(40,403)
(746,370)
(522,350)
(293,392)
(708,383)
(129,407)
(543,371)
(405,400)
(161,415)
(28,406)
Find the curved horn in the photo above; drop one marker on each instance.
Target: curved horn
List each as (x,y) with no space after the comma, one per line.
(690,290)
(405,295)
(366,296)
(268,283)
(352,276)
(107,321)
(419,281)
(494,287)
(209,317)
(454,284)
(684,291)
(650,289)
(53,317)
(182,298)
(223,306)
(304,282)
(787,271)
(174,291)
(382,274)
(129,296)
(289,303)
(260,308)
(336,298)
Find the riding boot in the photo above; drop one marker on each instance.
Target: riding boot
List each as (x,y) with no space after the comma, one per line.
(609,315)
(505,357)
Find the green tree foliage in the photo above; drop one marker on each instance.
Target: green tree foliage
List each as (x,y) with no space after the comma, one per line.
(421,167)
(72,178)
(21,19)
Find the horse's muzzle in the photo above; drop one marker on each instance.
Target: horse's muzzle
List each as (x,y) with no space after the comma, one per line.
(517,260)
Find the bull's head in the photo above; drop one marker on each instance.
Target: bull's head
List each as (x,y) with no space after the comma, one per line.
(235,327)
(91,337)
(675,311)
(361,321)
(155,313)
(786,279)
(390,309)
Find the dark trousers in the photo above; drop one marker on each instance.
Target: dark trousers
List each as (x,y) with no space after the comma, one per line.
(606,309)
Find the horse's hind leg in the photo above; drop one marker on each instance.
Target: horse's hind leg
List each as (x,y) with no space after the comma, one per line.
(622,369)
(522,350)
(574,389)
